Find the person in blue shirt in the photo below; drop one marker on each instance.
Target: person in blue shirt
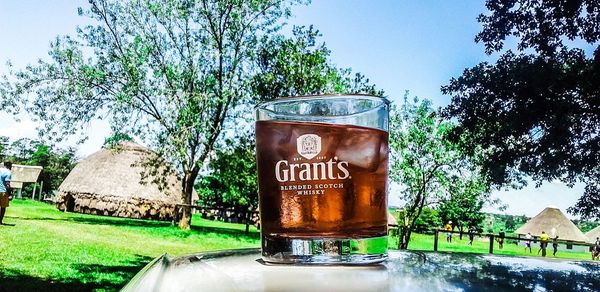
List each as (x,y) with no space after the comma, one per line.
(5,190)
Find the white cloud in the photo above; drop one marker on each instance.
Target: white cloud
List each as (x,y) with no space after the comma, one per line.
(17,130)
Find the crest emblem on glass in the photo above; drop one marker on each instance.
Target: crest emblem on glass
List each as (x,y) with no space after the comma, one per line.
(322,175)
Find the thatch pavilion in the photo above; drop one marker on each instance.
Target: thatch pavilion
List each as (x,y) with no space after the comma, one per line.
(553,222)
(109,182)
(592,234)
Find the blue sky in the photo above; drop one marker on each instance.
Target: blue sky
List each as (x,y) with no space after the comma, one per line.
(400,45)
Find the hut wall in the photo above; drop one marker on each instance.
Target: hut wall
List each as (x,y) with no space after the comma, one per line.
(137,208)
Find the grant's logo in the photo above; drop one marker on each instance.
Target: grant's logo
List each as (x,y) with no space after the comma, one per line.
(308,145)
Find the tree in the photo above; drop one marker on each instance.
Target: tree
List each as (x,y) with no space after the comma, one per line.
(466,198)
(428,220)
(115,138)
(425,162)
(164,70)
(233,180)
(288,66)
(22,149)
(535,113)
(4,146)
(56,163)
(300,65)
(510,224)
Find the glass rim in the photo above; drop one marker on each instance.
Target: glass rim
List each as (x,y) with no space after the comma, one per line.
(356,96)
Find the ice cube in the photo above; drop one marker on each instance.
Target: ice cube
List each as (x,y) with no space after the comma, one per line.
(361,148)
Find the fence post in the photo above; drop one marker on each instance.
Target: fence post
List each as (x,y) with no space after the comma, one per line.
(435,240)
(175,215)
(491,243)
(247,223)
(41,187)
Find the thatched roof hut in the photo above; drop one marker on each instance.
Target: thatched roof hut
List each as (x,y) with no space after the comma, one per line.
(553,222)
(592,234)
(109,182)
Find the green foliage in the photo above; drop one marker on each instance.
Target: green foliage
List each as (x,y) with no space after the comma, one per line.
(116,138)
(543,26)
(428,221)
(430,167)
(300,65)
(467,197)
(166,71)
(233,181)
(297,65)
(493,223)
(56,162)
(585,226)
(4,144)
(540,105)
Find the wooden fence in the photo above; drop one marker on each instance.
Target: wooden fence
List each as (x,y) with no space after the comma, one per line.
(492,238)
(246,215)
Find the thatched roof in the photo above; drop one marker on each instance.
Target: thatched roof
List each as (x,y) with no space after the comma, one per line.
(109,182)
(592,234)
(553,222)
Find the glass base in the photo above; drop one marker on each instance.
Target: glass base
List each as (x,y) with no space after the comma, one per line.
(324,251)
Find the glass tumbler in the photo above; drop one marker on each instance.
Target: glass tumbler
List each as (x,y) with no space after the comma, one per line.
(322,174)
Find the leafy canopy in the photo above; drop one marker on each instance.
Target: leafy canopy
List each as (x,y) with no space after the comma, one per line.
(294,65)
(430,168)
(535,112)
(168,71)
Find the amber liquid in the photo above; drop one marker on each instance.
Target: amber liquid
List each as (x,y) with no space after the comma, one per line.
(352,207)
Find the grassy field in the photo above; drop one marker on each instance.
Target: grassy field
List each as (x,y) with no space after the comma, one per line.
(481,245)
(51,250)
(45,249)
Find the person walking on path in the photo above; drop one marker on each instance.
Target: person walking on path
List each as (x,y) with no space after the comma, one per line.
(555,245)
(528,242)
(501,236)
(543,243)
(5,190)
(448,228)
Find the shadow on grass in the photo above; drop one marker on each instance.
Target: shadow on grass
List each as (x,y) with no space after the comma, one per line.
(226,231)
(104,220)
(89,277)
(101,220)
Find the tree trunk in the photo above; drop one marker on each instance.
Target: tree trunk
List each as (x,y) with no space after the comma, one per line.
(404,238)
(185,219)
(460,229)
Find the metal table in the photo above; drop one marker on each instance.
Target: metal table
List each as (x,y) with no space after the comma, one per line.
(242,270)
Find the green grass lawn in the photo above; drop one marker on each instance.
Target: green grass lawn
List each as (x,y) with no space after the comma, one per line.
(481,245)
(51,250)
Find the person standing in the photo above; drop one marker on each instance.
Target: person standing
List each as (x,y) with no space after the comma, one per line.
(471,232)
(5,190)
(448,228)
(555,245)
(596,249)
(528,242)
(501,236)
(544,243)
